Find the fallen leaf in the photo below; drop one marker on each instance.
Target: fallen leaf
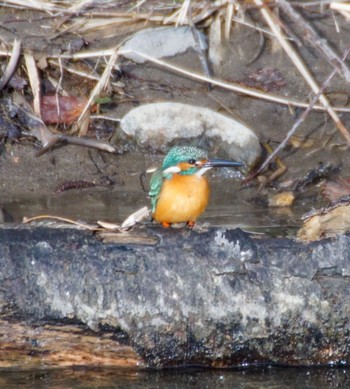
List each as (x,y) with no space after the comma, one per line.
(335,189)
(61,109)
(327,222)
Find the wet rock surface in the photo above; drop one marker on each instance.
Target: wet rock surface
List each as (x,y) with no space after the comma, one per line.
(219,297)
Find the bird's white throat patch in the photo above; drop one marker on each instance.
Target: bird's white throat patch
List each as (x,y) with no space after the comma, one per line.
(202,171)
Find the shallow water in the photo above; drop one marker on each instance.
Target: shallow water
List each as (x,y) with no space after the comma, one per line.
(252,378)
(230,205)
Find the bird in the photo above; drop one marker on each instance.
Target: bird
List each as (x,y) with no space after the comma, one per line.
(179,191)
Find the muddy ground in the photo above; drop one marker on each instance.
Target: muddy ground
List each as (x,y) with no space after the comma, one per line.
(29,184)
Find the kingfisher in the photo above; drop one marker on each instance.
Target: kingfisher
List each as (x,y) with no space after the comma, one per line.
(179,191)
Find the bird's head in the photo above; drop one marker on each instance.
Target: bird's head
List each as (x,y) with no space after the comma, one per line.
(188,160)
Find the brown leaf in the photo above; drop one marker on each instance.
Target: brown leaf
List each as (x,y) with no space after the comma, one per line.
(265,79)
(61,109)
(326,223)
(335,190)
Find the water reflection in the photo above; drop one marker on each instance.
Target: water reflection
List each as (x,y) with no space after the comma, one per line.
(250,378)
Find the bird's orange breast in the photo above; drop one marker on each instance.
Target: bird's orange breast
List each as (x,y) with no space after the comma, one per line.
(183,198)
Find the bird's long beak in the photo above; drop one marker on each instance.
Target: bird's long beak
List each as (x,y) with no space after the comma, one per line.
(221,163)
(210,163)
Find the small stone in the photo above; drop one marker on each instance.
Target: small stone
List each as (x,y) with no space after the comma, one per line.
(161,42)
(283,199)
(161,125)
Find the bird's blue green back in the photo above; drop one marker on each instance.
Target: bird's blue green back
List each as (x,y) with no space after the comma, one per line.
(155,187)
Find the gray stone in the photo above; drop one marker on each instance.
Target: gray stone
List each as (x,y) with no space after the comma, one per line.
(160,125)
(161,42)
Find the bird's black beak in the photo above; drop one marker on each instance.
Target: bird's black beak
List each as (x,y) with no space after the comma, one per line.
(221,163)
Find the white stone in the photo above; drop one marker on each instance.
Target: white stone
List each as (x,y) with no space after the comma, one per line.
(161,42)
(158,125)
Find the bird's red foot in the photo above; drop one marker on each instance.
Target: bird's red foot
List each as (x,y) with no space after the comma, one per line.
(191,224)
(165,224)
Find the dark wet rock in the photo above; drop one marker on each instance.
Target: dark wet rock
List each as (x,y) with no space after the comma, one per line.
(219,298)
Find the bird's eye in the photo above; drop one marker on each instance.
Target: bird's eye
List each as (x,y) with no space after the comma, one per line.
(192,161)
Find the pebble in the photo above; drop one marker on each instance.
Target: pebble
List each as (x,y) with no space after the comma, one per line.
(162,125)
(282,199)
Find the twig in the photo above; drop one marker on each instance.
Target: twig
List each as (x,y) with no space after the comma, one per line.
(255,27)
(62,219)
(104,117)
(300,120)
(310,35)
(38,128)
(298,62)
(83,74)
(75,140)
(12,65)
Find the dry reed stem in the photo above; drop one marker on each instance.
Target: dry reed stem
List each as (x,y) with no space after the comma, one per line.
(183,13)
(230,86)
(90,227)
(299,64)
(34,80)
(228,20)
(339,6)
(12,65)
(222,84)
(39,5)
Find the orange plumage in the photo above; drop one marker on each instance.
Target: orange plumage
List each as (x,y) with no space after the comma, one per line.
(183,198)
